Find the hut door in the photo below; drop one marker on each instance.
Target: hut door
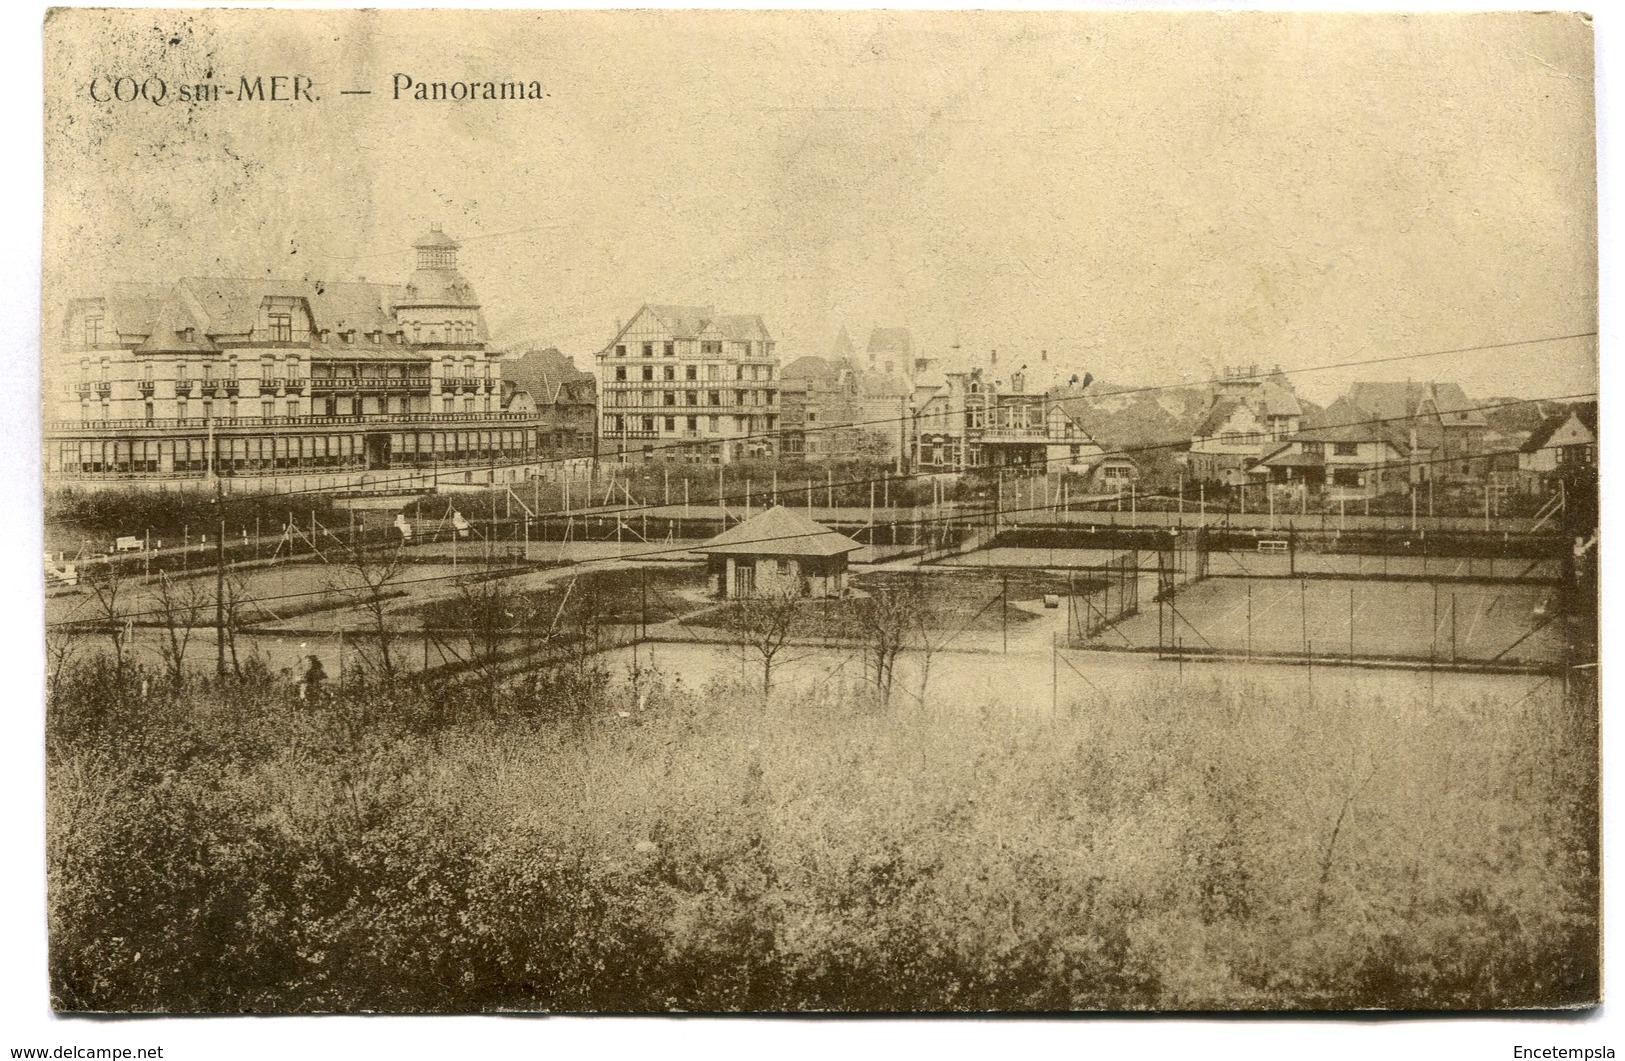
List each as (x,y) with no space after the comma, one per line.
(745,579)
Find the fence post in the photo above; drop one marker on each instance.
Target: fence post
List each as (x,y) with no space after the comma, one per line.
(1054,677)
(1004,608)
(1303,612)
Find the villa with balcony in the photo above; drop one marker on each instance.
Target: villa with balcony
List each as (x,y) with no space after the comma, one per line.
(686,383)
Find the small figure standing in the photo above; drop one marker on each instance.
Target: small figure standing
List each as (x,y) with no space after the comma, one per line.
(311,678)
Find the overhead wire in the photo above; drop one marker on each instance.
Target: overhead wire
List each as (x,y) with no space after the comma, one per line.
(996,511)
(419,474)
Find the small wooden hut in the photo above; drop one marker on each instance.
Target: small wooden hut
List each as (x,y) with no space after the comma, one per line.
(780,551)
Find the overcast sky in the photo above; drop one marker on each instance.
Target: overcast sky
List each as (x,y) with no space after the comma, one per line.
(1144,195)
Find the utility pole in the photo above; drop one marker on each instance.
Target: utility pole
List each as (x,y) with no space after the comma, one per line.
(219,581)
(1303,613)
(1054,676)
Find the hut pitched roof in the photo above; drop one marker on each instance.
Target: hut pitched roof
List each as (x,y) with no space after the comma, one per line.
(780,531)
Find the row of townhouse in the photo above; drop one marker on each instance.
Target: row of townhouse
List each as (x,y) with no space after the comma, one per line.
(685,383)
(272,383)
(1378,438)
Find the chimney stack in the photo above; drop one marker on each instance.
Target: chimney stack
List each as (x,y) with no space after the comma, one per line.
(995,359)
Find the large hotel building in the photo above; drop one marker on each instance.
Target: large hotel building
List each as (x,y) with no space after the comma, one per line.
(684,383)
(270,384)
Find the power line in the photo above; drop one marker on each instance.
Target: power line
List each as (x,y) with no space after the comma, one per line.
(678,444)
(1126,451)
(963,516)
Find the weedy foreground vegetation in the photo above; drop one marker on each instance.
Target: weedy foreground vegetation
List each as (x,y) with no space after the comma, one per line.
(587,841)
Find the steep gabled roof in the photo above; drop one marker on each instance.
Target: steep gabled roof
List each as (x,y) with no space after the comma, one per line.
(740,327)
(128,308)
(809,367)
(1285,456)
(891,342)
(692,322)
(843,347)
(1277,399)
(1218,416)
(1387,399)
(1454,407)
(545,374)
(684,322)
(1344,421)
(1538,438)
(779,531)
(167,330)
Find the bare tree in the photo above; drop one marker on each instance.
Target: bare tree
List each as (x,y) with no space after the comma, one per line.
(61,646)
(182,604)
(491,614)
(581,618)
(763,627)
(885,618)
(372,576)
(930,636)
(106,586)
(234,605)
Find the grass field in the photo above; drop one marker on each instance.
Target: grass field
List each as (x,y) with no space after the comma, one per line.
(1209,842)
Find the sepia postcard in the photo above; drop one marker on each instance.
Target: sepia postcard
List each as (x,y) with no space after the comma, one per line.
(820,511)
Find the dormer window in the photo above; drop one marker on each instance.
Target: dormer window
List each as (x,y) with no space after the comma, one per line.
(93,329)
(280,326)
